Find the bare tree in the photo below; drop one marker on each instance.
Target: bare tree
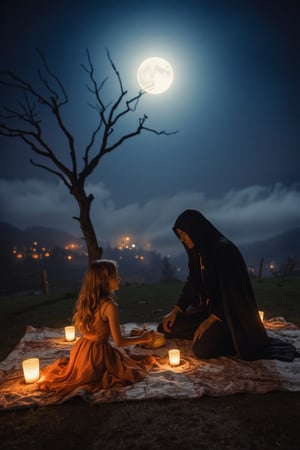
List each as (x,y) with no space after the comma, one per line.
(24,122)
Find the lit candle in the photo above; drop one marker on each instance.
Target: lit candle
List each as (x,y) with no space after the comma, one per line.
(261,315)
(31,370)
(70,333)
(174,357)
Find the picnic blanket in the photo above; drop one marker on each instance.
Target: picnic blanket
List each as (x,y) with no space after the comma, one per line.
(191,379)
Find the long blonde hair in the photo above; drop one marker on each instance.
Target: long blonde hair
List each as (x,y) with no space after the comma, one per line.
(94,290)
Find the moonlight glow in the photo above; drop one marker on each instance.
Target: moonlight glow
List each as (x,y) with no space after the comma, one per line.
(155,75)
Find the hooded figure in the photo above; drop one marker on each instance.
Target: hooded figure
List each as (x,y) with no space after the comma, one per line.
(217,307)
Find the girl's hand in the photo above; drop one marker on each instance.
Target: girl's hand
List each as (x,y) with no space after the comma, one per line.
(149,336)
(136,332)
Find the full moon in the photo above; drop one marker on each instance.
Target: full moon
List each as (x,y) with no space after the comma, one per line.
(155,75)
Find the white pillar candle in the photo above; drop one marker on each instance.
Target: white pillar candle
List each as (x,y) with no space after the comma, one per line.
(31,370)
(70,333)
(174,357)
(261,315)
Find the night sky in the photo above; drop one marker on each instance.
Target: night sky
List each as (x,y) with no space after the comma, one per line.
(235,102)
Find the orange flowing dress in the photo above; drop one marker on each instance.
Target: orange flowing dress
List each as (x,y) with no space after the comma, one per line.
(95,363)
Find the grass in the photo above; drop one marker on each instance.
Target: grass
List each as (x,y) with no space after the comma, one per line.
(268,421)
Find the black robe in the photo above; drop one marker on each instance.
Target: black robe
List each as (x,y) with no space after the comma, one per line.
(219,281)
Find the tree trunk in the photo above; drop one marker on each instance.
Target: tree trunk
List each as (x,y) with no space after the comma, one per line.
(84,202)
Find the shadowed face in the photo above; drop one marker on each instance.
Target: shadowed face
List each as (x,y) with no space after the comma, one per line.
(185,239)
(114,282)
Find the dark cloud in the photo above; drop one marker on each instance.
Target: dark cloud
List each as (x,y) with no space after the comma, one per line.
(246,215)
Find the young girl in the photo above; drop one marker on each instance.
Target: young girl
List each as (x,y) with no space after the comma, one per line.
(94,363)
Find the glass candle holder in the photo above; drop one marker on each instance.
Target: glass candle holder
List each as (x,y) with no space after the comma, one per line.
(31,370)
(70,333)
(174,357)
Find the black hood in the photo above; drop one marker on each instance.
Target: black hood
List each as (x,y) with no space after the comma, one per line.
(200,230)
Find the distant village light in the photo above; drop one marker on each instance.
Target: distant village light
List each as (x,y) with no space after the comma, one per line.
(71,247)
(128,251)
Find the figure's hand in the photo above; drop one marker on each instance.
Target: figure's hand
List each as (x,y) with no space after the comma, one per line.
(198,333)
(169,319)
(204,326)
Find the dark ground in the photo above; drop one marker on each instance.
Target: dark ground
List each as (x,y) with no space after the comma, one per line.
(263,422)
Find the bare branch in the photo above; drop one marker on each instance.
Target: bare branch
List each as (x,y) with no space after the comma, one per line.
(55,172)
(89,167)
(139,129)
(91,143)
(55,78)
(161,132)
(54,103)
(116,71)
(33,140)
(69,136)
(135,101)
(95,89)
